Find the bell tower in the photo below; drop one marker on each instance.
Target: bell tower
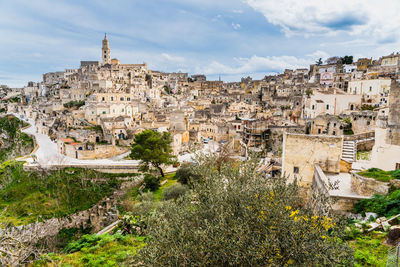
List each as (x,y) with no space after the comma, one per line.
(106,51)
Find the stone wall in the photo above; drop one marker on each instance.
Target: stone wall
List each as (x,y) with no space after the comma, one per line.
(363,121)
(365,146)
(368,186)
(393,133)
(345,166)
(343,204)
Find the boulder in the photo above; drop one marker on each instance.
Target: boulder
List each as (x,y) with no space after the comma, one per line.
(395,183)
(393,237)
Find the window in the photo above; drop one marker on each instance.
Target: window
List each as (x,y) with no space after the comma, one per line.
(102,99)
(112,98)
(104,112)
(334,132)
(313,107)
(370,88)
(123,110)
(121,99)
(295,169)
(327,107)
(128,99)
(319,131)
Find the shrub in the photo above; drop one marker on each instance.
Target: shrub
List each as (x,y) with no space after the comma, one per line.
(236,216)
(145,205)
(396,174)
(185,175)
(151,182)
(174,191)
(382,205)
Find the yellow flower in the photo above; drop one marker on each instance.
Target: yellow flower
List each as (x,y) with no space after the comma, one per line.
(288,207)
(294,213)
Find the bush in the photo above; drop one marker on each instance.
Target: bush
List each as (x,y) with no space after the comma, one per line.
(174,191)
(145,205)
(185,175)
(151,182)
(382,205)
(396,174)
(236,216)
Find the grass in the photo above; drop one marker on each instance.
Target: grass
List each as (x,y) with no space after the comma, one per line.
(363,155)
(369,249)
(170,177)
(380,175)
(27,197)
(92,250)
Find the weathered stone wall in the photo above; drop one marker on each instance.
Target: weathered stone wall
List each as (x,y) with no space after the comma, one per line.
(342,204)
(364,121)
(368,186)
(393,133)
(345,166)
(365,146)
(301,152)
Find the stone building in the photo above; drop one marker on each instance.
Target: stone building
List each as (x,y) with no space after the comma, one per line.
(301,152)
(393,132)
(326,124)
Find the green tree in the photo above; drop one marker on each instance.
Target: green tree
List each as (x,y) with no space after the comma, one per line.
(153,148)
(347,59)
(238,217)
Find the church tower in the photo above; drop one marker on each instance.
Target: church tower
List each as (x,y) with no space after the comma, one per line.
(106,51)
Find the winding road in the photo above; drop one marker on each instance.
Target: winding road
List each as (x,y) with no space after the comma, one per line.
(48,155)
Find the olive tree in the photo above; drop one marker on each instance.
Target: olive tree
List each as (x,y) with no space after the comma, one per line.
(236,216)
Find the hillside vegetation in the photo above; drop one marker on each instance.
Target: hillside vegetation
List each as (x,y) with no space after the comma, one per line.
(13,142)
(29,196)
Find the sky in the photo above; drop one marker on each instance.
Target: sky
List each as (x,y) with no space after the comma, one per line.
(219,38)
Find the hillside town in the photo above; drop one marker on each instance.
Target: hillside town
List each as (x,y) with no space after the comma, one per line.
(320,124)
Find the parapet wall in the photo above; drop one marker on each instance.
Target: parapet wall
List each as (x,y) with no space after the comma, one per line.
(368,186)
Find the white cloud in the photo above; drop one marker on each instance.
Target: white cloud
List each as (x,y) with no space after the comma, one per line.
(376,19)
(236,26)
(257,64)
(176,59)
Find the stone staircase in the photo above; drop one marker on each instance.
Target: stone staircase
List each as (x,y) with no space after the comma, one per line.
(349,151)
